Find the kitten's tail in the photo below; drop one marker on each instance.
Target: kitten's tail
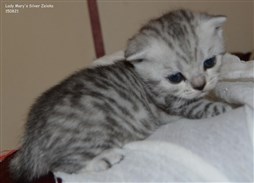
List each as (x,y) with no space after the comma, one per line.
(26,167)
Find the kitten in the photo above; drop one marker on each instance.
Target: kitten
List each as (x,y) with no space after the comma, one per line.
(82,123)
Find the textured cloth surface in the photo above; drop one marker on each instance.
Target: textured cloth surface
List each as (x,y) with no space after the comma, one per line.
(213,149)
(219,141)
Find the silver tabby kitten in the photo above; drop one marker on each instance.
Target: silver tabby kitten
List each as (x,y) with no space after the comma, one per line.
(82,123)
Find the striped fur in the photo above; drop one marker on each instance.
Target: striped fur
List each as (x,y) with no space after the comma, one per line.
(82,123)
(92,111)
(180,42)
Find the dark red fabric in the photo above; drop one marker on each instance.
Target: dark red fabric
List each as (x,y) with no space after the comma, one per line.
(5,176)
(96,28)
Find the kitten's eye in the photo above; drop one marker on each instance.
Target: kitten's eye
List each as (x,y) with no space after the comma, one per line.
(176,78)
(209,63)
(139,60)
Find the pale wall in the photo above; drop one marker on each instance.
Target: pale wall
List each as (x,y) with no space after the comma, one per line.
(40,47)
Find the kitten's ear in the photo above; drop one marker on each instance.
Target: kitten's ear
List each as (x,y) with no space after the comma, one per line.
(136,48)
(217,21)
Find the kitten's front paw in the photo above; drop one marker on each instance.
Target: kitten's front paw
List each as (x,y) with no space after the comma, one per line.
(219,108)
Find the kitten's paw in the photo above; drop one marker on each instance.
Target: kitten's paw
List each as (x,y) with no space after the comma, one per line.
(105,160)
(220,108)
(227,108)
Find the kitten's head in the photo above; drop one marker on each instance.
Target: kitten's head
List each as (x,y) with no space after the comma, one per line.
(179,53)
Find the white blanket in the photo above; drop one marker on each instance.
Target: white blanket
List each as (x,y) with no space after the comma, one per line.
(213,149)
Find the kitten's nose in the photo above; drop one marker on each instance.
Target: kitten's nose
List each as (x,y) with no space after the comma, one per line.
(198,82)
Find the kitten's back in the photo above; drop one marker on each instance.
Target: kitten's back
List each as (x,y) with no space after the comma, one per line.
(76,120)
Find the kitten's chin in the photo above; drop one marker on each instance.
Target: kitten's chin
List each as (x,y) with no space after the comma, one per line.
(202,94)
(195,95)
